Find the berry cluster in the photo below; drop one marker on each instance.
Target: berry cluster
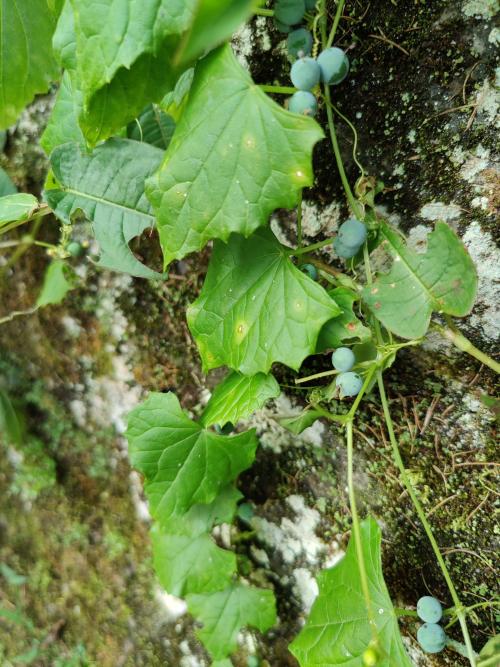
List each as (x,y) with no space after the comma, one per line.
(430,635)
(330,67)
(348,383)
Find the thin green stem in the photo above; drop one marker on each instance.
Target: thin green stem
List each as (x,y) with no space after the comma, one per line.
(399,611)
(356,207)
(336,21)
(310,248)
(299,220)
(462,343)
(329,415)
(316,376)
(459,608)
(263,12)
(280,90)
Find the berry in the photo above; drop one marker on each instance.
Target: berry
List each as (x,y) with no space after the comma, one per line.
(334,65)
(431,637)
(310,270)
(305,73)
(344,251)
(75,249)
(304,103)
(343,359)
(429,609)
(349,384)
(289,12)
(352,233)
(299,42)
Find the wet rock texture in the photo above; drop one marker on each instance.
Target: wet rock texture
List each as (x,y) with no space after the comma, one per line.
(423,96)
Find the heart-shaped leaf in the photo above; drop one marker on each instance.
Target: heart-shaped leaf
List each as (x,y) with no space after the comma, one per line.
(225,613)
(256,307)
(237,396)
(191,564)
(235,157)
(108,186)
(337,631)
(443,279)
(183,464)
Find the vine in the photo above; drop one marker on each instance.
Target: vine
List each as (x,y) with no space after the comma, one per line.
(199,151)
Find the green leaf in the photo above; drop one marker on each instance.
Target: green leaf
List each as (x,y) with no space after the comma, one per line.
(183,464)
(443,280)
(174,102)
(7,187)
(27,64)
(10,426)
(58,281)
(17,207)
(301,422)
(346,327)
(202,518)
(490,653)
(256,307)
(123,52)
(235,157)
(130,54)
(214,22)
(237,396)
(63,122)
(64,40)
(108,186)
(153,126)
(337,631)
(188,564)
(225,613)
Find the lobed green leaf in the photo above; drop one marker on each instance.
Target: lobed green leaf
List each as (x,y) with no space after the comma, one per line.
(237,396)
(226,612)
(183,464)
(256,307)
(235,157)
(188,564)
(443,279)
(337,631)
(108,186)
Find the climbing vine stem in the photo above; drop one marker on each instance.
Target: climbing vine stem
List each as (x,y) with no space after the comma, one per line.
(462,343)
(336,21)
(459,608)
